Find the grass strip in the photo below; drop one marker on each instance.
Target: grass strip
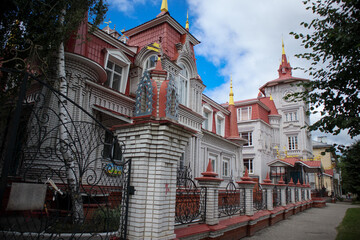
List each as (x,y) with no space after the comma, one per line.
(349,228)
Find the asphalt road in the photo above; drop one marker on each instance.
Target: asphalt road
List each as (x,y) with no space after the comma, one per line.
(314,223)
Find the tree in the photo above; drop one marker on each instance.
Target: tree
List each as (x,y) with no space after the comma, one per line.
(334,51)
(48,24)
(350,168)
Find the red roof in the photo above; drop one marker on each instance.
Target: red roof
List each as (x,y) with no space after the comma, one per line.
(329,172)
(293,160)
(270,104)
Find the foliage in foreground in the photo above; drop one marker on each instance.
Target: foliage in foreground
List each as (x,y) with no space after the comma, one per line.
(349,227)
(350,169)
(333,48)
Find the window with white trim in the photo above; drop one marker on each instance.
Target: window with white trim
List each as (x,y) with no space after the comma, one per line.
(213,158)
(117,67)
(244,113)
(114,75)
(207,113)
(183,85)
(293,142)
(291,116)
(248,137)
(220,124)
(226,167)
(249,164)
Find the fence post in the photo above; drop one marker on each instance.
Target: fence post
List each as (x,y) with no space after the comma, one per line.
(282,186)
(309,191)
(211,182)
(248,185)
(269,187)
(291,186)
(298,186)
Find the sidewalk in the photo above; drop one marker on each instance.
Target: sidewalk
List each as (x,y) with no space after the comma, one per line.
(313,223)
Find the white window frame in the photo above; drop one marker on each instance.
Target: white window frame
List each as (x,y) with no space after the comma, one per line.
(248,115)
(184,85)
(249,137)
(208,109)
(250,165)
(220,124)
(293,142)
(225,170)
(291,116)
(120,59)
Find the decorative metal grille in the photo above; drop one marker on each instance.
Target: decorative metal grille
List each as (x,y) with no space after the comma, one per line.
(172,99)
(276,196)
(231,200)
(144,96)
(288,195)
(296,194)
(190,200)
(83,195)
(259,198)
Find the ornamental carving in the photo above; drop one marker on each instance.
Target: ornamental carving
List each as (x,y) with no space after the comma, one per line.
(172,99)
(144,96)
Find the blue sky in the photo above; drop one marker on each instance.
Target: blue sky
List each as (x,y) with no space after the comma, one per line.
(238,38)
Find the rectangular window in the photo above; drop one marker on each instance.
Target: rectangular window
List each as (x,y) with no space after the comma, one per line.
(219,126)
(247,136)
(291,117)
(114,74)
(249,164)
(206,121)
(225,167)
(244,113)
(293,142)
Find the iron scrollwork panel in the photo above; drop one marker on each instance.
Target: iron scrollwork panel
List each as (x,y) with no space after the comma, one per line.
(231,201)
(190,199)
(86,193)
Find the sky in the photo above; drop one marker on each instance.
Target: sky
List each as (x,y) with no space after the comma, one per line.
(239,39)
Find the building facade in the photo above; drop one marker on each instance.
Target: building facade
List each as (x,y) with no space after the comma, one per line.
(274,125)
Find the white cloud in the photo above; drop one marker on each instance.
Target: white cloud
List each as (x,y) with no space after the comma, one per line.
(126,6)
(246,36)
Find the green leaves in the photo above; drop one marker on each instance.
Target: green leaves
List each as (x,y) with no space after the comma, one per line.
(335,64)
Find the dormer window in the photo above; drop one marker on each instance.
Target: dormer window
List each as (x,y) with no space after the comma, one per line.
(117,67)
(207,113)
(220,124)
(114,75)
(244,113)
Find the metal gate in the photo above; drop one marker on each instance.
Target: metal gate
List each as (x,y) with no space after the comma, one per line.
(54,187)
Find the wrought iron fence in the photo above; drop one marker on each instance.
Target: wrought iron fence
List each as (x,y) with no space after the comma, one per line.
(276,196)
(288,195)
(231,200)
(259,198)
(56,187)
(302,194)
(190,199)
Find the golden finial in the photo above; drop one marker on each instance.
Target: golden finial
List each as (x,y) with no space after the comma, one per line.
(271,98)
(282,44)
(231,95)
(277,152)
(187,21)
(164,6)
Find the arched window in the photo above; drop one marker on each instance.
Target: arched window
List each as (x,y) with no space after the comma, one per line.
(150,62)
(183,85)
